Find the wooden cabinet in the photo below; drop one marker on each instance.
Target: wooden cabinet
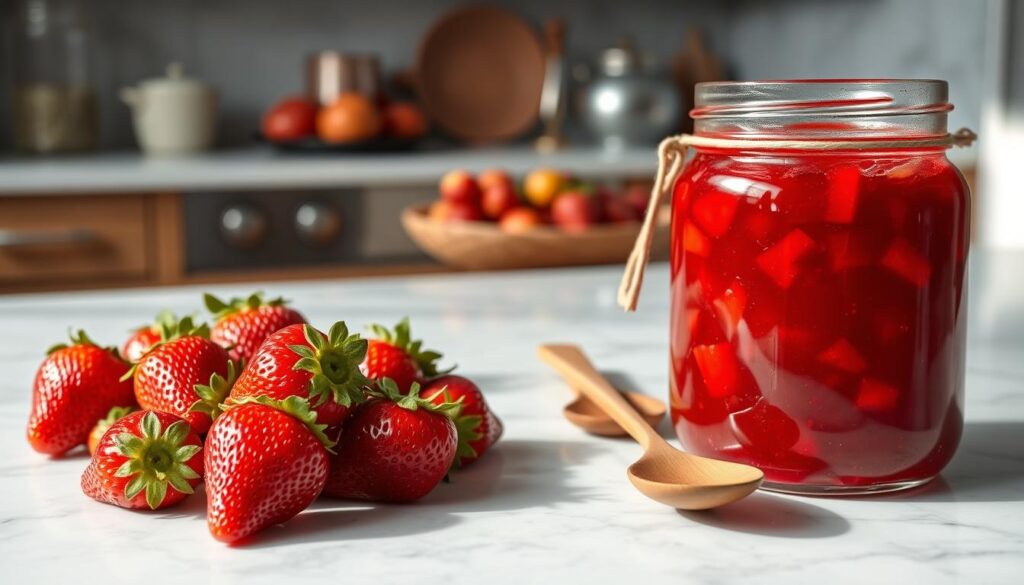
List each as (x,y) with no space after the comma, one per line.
(84,241)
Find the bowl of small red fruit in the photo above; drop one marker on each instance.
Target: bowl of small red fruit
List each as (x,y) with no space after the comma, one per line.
(350,123)
(488,222)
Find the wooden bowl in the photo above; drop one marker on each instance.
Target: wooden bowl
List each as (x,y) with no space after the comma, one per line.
(479,245)
(479,73)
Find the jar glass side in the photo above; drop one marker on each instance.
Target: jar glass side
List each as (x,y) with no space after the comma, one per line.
(818,315)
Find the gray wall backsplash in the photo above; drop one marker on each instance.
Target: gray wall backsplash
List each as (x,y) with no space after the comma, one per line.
(253,50)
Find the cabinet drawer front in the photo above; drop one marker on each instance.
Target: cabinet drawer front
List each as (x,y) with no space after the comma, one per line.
(69,239)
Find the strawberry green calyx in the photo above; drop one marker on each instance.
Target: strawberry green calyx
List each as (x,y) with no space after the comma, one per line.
(401,337)
(115,414)
(212,395)
(156,458)
(298,408)
(221,309)
(184,327)
(80,337)
(388,389)
(163,318)
(333,360)
(171,331)
(468,428)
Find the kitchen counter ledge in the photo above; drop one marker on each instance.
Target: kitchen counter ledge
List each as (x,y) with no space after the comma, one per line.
(263,168)
(549,504)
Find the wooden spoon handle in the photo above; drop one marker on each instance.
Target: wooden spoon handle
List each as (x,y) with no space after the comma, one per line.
(573,365)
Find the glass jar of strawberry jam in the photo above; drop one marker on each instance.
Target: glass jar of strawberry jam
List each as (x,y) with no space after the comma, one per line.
(818,294)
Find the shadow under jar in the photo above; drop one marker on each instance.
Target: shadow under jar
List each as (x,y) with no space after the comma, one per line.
(818,298)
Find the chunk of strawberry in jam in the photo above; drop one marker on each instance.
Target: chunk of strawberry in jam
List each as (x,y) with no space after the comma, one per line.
(719,368)
(875,395)
(843,356)
(729,307)
(847,250)
(903,260)
(764,427)
(694,241)
(714,212)
(681,196)
(782,261)
(841,195)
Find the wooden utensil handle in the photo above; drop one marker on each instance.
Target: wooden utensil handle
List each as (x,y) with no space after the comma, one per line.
(573,365)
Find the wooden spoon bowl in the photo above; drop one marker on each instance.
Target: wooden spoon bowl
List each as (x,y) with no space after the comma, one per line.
(664,474)
(590,417)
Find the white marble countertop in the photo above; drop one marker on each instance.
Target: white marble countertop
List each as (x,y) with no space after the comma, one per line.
(258,168)
(550,504)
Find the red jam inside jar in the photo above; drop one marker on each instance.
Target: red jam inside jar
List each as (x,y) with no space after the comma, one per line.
(818,298)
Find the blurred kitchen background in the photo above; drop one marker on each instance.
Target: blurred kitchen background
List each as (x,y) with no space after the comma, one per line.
(213,200)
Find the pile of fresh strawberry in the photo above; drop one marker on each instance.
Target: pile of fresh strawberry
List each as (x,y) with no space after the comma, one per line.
(266,409)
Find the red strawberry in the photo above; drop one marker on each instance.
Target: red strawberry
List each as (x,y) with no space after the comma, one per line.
(146,336)
(477,425)
(115,414)
(172,376)
(266,461)
(394,447)
(394,354)
(145,460)
(301,361)
(74,387)
(242,325)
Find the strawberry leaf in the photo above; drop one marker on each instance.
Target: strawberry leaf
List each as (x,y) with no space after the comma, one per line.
(156,457)
(296,407)
(212,395)
(388,390)
(333,362)
(221,309)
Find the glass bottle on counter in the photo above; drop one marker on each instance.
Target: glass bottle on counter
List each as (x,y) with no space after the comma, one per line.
(818,297)
(54,101)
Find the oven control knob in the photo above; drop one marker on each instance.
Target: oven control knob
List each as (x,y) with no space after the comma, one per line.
(243,225)
(318,224)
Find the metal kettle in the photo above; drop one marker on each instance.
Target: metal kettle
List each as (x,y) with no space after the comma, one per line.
(623,101)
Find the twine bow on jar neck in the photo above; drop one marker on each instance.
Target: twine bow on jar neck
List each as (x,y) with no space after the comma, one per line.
(672,156)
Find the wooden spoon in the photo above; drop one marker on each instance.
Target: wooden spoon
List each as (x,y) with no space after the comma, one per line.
(590,417)
(664,474)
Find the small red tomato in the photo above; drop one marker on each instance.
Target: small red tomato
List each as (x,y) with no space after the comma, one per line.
(464,212)
(459,187)
(638,195)
(497,199)
(617,210)
(290,119)
(404,120)
(574,211)
(494,177)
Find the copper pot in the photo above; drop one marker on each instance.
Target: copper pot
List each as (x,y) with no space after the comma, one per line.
(330,73)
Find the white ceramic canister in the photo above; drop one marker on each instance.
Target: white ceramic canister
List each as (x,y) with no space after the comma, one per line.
(172,115)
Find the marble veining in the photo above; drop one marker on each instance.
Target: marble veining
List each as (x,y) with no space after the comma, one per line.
(550,504)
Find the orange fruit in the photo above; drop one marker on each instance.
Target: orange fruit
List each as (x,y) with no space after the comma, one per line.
(439,211)
(520,220)
(351,117)
(541,186)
